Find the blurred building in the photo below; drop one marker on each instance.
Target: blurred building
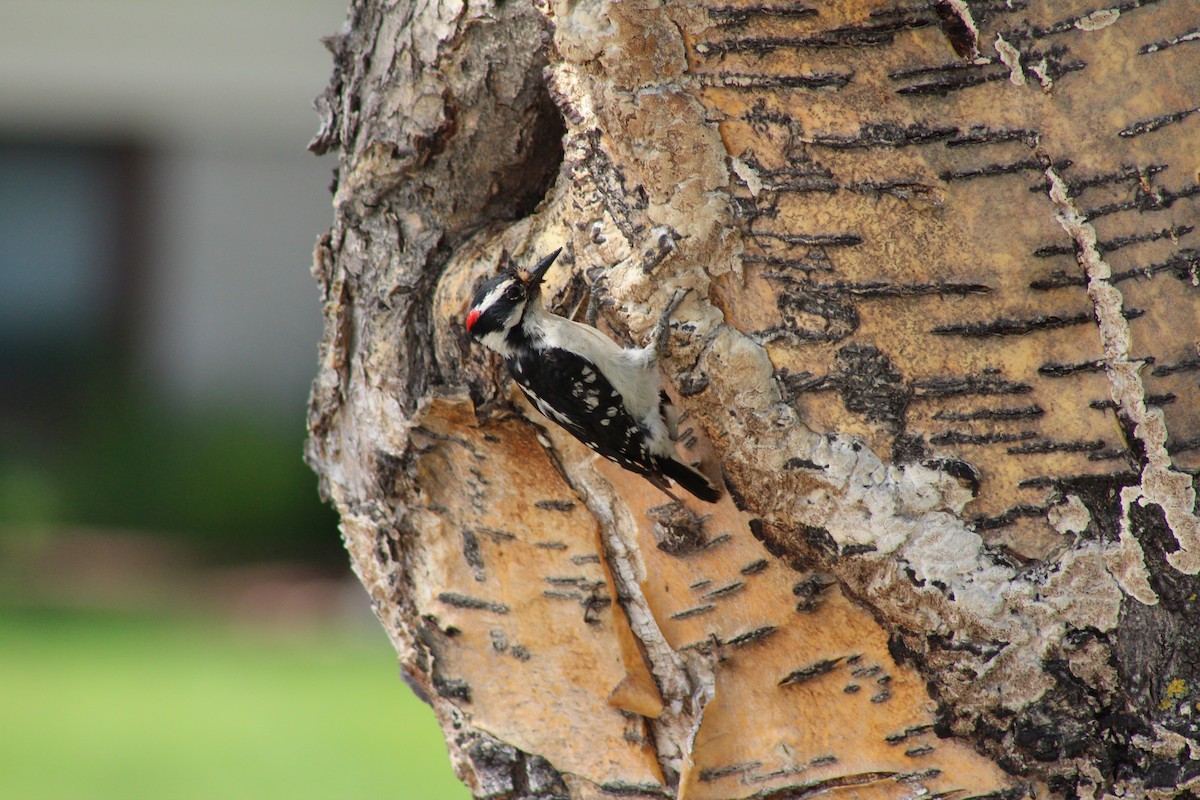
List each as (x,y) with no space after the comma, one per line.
(157,204)
(158,320)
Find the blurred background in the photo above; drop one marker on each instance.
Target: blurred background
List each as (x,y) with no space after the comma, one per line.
(177,617)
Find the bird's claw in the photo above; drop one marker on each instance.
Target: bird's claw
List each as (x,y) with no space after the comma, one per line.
(662,330)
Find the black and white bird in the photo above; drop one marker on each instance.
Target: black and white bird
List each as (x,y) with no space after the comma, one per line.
(608,397)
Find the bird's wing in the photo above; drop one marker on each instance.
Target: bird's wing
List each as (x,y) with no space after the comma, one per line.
(570,390)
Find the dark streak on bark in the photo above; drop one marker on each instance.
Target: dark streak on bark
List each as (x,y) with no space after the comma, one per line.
(1023,412)
(1162,44)
(474,603)
(1116,243)
(740,15)
(1186,365)
(752,636)
(748,81)
(1184,265)
(958,437)
(985,384)
(1155,123)
(883,31)
(1020,327)
(1151,400)
(885,134)
(992,170)
(1007,518)
(807,673)
(1144,201)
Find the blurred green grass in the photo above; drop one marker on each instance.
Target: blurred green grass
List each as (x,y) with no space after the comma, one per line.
(201,519)
(97,705)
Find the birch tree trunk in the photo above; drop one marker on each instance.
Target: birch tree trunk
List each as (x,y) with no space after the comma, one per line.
(941,344)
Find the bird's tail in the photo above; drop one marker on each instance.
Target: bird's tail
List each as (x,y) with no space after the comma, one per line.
(689,478)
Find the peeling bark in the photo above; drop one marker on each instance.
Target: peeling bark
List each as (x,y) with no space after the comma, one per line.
(941,342)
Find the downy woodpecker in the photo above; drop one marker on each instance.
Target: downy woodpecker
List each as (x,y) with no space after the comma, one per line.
(608,397)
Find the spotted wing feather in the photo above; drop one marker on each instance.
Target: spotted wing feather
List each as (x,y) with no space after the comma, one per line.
(572,392)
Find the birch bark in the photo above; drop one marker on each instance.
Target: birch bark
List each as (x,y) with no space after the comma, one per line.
(941,344)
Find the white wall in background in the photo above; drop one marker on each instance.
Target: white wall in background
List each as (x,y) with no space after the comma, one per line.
(219,94)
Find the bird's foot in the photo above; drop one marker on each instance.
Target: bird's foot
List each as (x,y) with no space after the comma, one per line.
(662,330)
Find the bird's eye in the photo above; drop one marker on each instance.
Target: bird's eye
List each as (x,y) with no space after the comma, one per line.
(513,293)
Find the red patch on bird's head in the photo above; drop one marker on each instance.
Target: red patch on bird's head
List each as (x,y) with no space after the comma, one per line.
(471,317)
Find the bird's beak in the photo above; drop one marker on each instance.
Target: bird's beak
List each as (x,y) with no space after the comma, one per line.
(539,271)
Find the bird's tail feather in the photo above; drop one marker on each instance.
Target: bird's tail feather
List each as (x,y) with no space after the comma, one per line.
(689,478)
